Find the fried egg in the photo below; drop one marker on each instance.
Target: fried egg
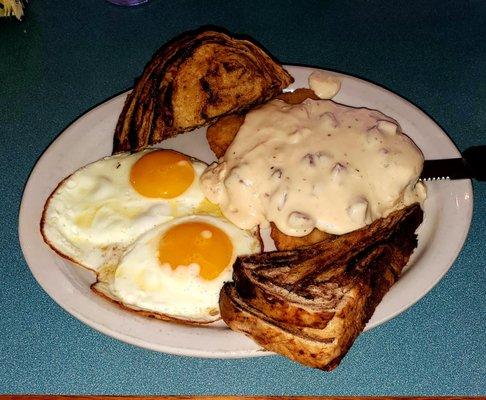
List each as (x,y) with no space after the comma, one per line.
(98,211)
(176,270)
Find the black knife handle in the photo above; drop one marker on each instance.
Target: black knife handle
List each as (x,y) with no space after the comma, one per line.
(475,161)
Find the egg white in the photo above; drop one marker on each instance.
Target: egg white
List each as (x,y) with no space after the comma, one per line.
(139,280)
(95,213)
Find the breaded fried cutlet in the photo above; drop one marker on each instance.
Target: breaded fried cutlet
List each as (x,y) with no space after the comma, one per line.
(221,134)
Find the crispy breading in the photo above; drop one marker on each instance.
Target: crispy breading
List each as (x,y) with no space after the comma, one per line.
(297,96)
(286,242)
(223,131)
(221,134)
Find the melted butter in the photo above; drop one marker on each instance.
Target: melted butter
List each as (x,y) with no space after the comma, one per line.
(206,207)
(318,164)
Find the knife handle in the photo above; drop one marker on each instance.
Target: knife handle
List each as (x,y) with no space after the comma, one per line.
(475,161)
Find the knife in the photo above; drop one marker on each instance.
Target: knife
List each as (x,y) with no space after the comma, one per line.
(471,165)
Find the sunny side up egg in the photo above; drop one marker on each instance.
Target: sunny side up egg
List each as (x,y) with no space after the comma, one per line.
(176,270)
(98,211)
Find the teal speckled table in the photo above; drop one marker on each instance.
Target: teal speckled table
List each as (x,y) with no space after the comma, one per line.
(67,56)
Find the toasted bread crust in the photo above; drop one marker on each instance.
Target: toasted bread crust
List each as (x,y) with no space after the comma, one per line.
(311,303)
(193,80)
(323,354)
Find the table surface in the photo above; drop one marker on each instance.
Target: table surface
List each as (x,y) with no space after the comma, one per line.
(67,56)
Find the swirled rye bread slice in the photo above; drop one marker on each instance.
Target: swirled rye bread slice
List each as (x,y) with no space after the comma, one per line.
(311,303)
(192,81)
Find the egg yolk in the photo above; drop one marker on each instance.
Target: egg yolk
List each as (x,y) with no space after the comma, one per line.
(199,243)
(162,173)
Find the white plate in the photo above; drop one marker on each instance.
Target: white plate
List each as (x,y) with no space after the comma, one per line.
(448,212)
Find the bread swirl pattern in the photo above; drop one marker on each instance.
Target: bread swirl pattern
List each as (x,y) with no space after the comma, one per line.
(311,303)
(193,80)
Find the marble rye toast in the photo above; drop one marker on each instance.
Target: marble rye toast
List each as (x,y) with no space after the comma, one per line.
(193,80)
(311,303)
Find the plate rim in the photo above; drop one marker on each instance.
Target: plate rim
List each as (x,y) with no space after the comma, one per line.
(257,352)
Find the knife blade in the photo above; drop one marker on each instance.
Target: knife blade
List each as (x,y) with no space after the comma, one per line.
(472,165)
